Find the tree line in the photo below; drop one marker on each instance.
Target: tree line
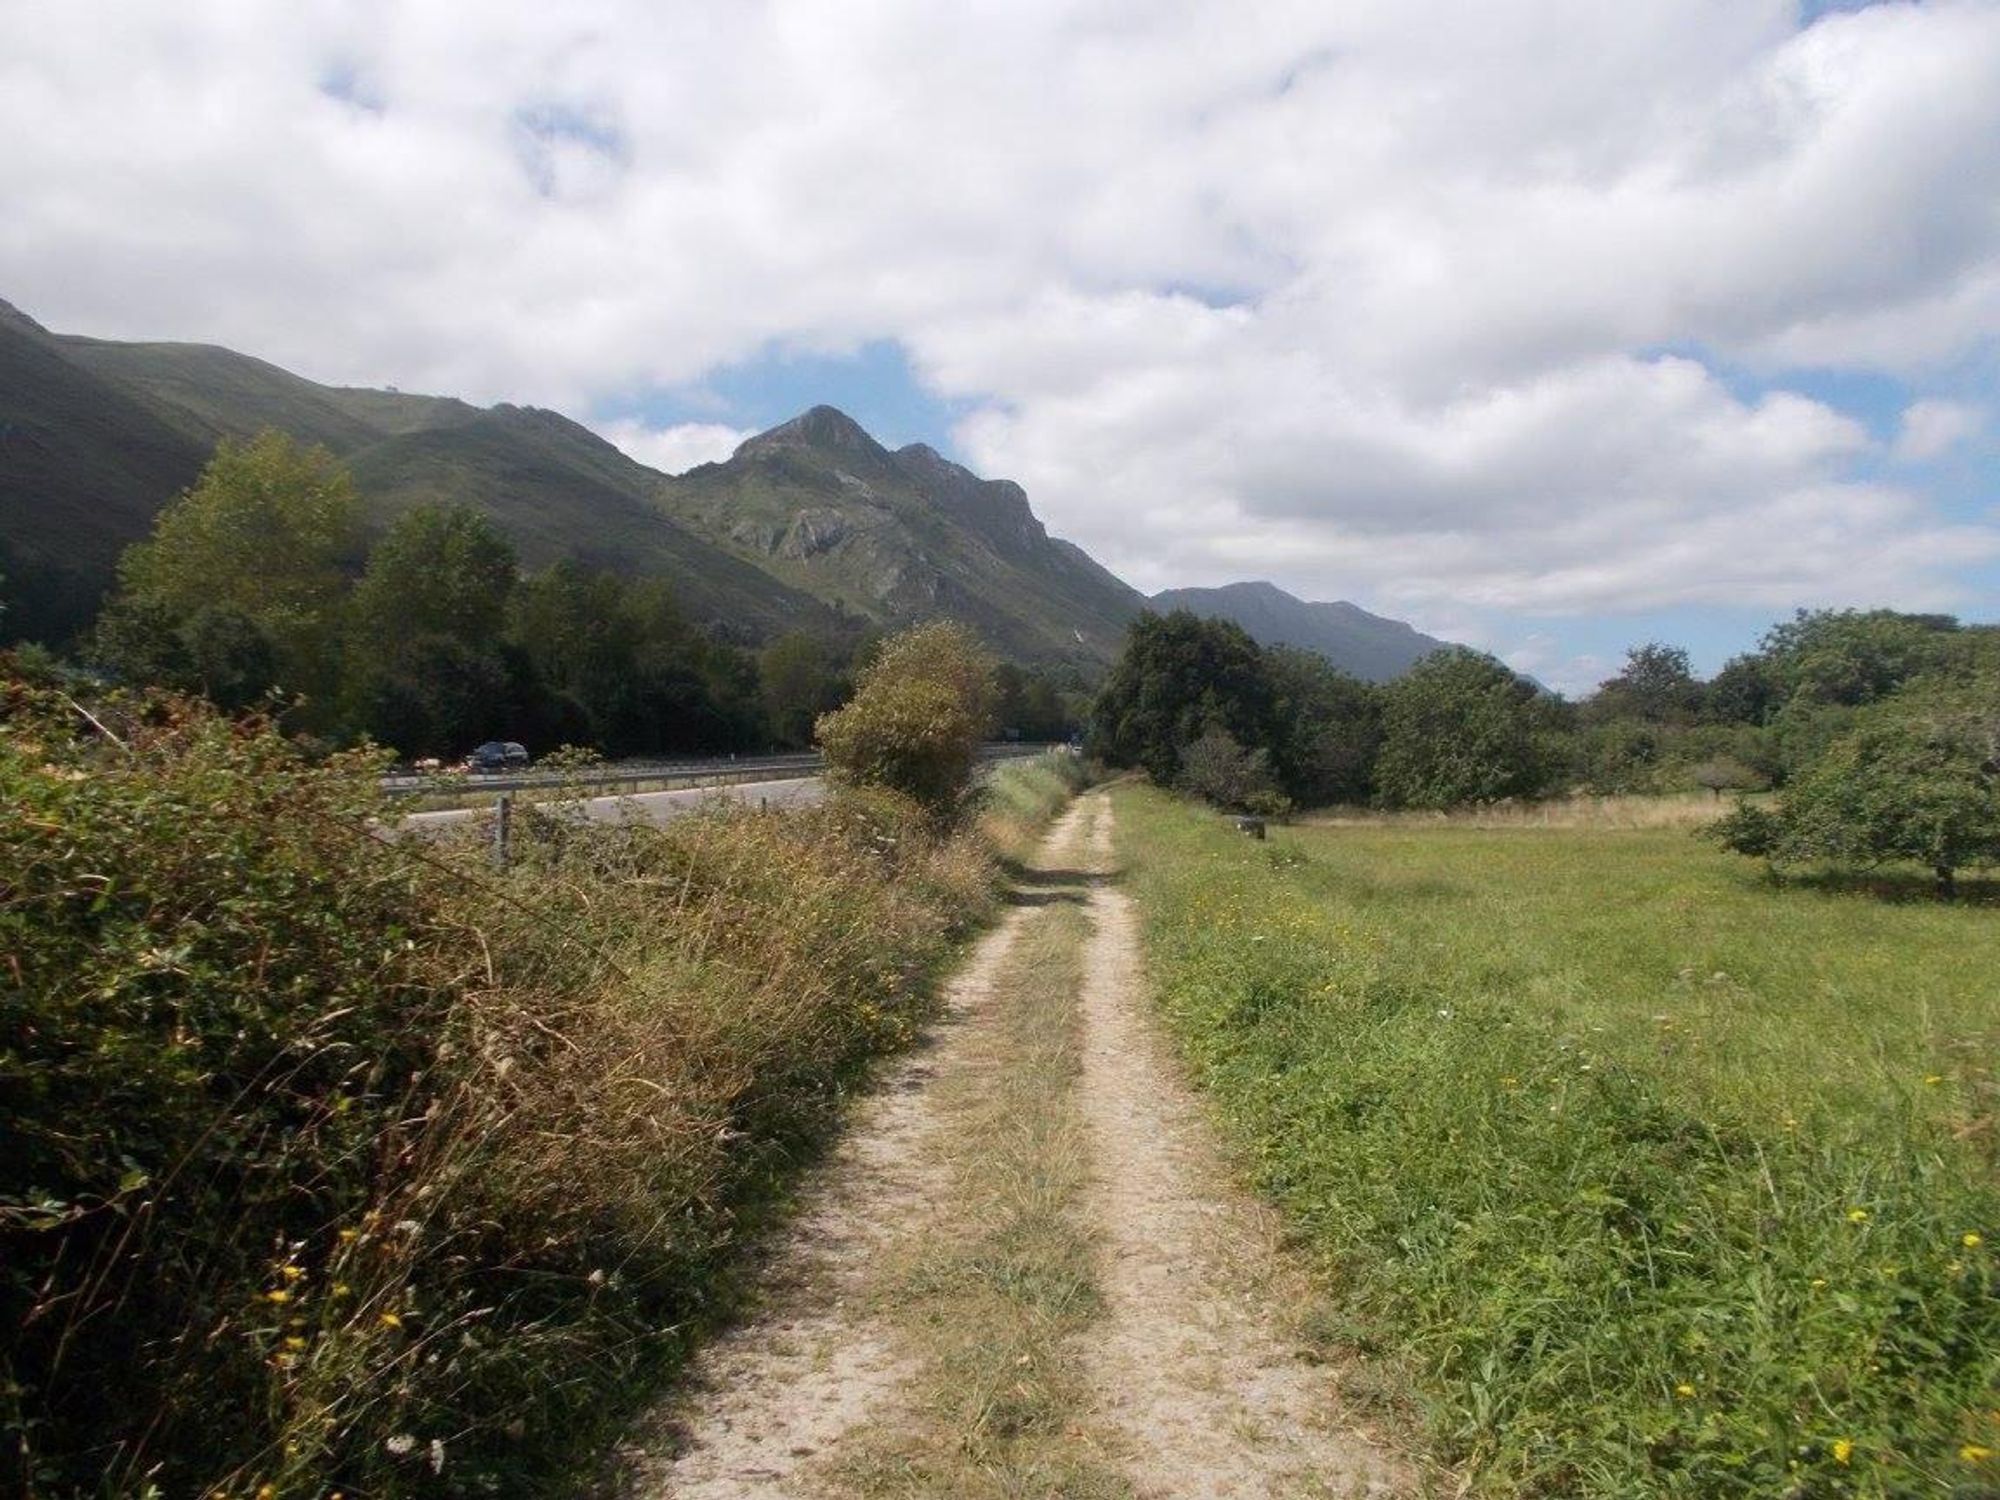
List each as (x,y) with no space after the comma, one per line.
(262,586)
(1883,729)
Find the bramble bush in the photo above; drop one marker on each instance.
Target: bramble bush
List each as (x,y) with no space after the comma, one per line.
(332,1159)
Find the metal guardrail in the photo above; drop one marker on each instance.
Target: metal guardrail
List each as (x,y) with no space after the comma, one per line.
(715,771)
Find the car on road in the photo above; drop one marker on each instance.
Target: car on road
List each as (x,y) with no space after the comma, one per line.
(497,755)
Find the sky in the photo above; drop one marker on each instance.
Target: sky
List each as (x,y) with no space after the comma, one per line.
(1550,327)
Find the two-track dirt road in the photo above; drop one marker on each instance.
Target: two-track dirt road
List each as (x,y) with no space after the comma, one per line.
(1027,1271)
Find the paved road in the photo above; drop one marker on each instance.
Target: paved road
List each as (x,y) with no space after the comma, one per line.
(656,807)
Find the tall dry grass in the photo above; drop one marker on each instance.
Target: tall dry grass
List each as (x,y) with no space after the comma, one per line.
(330,1162)
(1576,811)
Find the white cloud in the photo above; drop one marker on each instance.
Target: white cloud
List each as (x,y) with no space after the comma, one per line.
(1364,296)
(1933,428)
(676,449)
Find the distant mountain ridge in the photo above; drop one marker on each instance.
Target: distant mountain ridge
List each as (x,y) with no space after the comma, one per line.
(812,525)
(1368,645)
(903,535)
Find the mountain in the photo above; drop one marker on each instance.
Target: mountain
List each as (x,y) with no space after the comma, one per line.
(97,436)
(84,465)
(904,535)
(1350,637)
(813,524)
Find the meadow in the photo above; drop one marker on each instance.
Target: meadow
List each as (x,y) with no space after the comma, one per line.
(1637,1172)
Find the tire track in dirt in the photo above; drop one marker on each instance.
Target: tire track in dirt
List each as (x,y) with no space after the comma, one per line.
(775,1396)
(1190,1363)
(1192,1389)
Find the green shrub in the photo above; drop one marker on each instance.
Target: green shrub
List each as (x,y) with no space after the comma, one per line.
(916,720)
(334,1160)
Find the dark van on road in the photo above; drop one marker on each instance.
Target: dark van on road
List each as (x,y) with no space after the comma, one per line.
(497,755)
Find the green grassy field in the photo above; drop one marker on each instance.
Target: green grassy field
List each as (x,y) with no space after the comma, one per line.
(1653,1178)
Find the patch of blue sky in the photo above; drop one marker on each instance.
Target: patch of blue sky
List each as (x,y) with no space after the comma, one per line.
(551,122)
(1811,10)
(874,384)
(543,128)
(345,80)
(1710,634)
(1872,399)
(1218,298)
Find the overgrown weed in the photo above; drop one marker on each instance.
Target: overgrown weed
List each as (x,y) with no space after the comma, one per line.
(336,1161)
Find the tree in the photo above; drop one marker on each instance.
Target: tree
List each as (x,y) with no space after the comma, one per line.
(1329,728)
(1657,686)
(799,683)
(423,665)
(1851,657)
(1460,727)
(267,534)
(1917,778)
(1177,676)
(1220,771)
(916,719)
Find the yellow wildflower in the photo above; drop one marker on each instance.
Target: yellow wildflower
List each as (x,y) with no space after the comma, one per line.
(1932,1080)
(1819,1281)
(1857,1216)
(1843,1450)
(1974,1453)
(277,1294)
(348,1236)
(290,1273)
(1683,1389)
(1970,1240)
(392,1320)
(293,1341)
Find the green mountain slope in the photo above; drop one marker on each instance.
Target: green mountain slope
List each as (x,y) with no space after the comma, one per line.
(812,525)
(97,436)
(559,490)
(84,466)
(904,536)
(1354,640)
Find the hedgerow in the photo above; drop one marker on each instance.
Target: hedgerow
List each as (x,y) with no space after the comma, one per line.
(333,1160)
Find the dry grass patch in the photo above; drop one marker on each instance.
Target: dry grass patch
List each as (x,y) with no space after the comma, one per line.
(994,1301)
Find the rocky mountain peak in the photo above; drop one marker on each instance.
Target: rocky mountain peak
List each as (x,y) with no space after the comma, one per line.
(823,427)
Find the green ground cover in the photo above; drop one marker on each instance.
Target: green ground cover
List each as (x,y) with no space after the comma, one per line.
(332,1163)
(1654,1177)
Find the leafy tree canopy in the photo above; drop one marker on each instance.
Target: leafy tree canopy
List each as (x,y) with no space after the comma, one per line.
(267,534)
(1916,778)
(1461,727)
(1178,676)
(916,719)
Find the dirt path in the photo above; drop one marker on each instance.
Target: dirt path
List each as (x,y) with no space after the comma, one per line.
(1089,1308)
(1191,1361)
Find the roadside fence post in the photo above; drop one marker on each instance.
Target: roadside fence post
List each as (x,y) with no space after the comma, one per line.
(503,820)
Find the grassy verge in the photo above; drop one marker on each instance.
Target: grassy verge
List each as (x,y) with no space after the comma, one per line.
(335,1163)
(1021,797)
(995,1299)
(1662,1180)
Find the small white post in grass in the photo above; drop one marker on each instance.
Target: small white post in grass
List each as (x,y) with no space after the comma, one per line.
(503,820)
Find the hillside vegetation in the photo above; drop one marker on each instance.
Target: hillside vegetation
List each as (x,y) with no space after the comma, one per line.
(336,1162)
(813,526)
(1652,1177)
